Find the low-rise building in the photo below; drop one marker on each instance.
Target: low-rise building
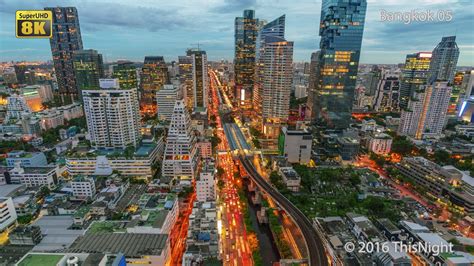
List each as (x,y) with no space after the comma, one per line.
(206,183)
(83,187)
(139,164)
(203,238)
(295,145)
(51,118)
(25,236)
(380,144)
(8,214)
(26,159)
(291,178)
(204,148)
(448,184)
(348,147)
(35,176)
(71,111)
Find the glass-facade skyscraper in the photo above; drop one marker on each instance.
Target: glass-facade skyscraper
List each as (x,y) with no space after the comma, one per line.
(244,59)
(341,29)
(126,73)
(65,40)
(414,74)
(154,75)
(444,60)
(200,79)
(88,68)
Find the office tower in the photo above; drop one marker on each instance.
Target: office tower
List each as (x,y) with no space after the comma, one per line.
(185,65)
(277,60)
(112,114)
(88,69)
(414,74)
(126,72)
(341,29)
(199,77)
(372,81)
(20,73)
(66,39)
(425,115)
(467,85)
(166,99)
(456,93)
(180,157)
(388,92)
(154,75)
(244,58)
(313,79)
(276,28)
(444,60)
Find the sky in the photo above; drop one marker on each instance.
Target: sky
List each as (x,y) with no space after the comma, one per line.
(131,29)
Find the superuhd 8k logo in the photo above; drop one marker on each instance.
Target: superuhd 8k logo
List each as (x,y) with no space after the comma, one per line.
(34,24)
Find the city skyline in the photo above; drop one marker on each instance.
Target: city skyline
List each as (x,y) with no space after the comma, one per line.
(171,28)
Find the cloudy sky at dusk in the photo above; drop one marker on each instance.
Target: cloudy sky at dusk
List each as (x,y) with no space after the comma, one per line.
(125,29)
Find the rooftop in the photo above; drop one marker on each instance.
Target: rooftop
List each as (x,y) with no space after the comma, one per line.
(40,260)
(131,245)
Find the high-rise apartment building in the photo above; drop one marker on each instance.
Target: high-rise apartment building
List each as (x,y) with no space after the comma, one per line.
(244,59)
(126,73)
(388,92)
(414,74)
(65,40)
(425,115)
(88,69)
(154,75)
(185,66)
(112,114)
(180,157)
(199,77)
(277,71)
(275,28)
(166,99)
(341,29)
(444,60)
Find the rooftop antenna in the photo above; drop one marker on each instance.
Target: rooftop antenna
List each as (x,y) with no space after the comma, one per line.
(197,44)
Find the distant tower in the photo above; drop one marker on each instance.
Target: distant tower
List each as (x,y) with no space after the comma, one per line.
(414,74)
(185,66)
(66,39)
(388,92)
(444,60)
(244,58)
(180,157)
(200,78)
(112,115)
(154,75)
(88,69)
(126,73)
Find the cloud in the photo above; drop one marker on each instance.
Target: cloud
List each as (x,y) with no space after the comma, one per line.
(232,6)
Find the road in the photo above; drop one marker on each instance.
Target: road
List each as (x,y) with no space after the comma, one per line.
(316,251)
(235,248)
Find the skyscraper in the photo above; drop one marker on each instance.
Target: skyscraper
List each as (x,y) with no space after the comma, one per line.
(200,78)
(277,70)
(88,69)
(244,58)
(341,29)
(154,75)
(112,115)
(444,60)
(313,80)
(425,115)
(388,92)
(65,40)
(414,74)
(126,73)
(275,28)
(180,157)
(185,65)
(166,99)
